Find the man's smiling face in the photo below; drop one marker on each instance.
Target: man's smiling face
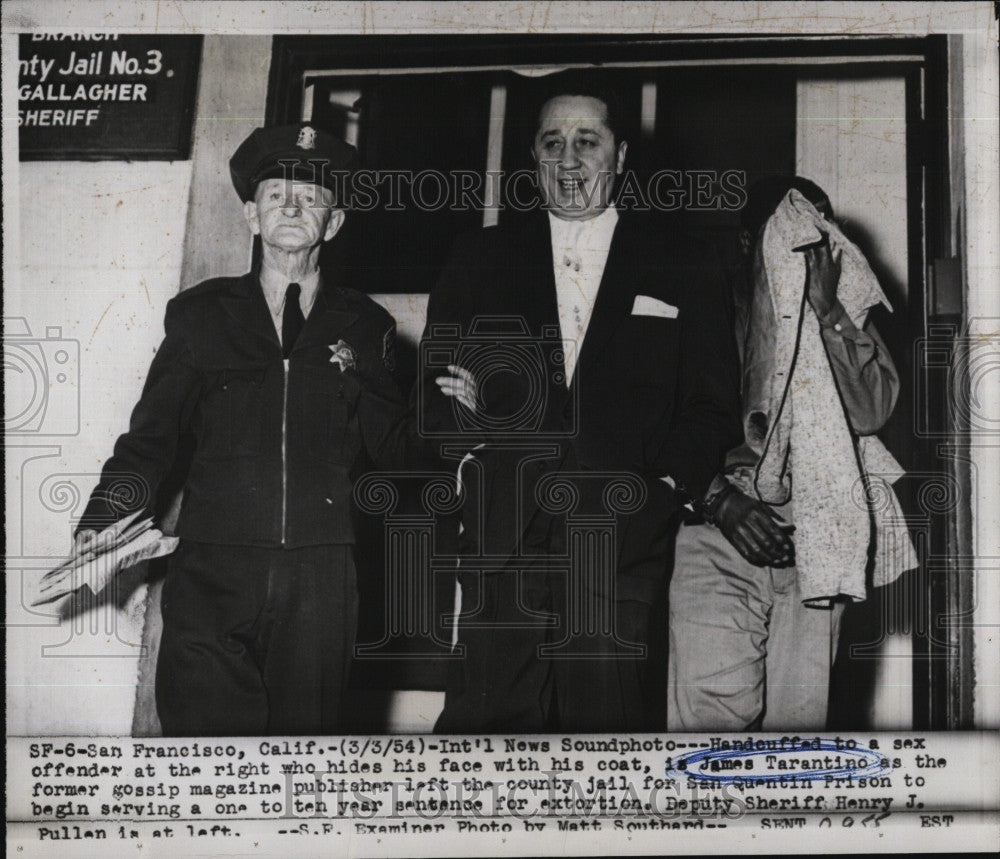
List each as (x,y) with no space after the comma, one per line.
(576,156)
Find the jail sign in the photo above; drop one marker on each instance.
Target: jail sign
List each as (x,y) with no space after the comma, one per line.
(90,96)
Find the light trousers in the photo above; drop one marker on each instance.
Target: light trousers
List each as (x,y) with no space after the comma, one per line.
(745,653)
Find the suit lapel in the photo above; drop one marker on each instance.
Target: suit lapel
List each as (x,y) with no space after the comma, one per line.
(535,290)
(327,320)
(247,307)
(538,297)
(613,299)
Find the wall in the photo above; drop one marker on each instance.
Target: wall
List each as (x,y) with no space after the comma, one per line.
(100,256)
(231,100)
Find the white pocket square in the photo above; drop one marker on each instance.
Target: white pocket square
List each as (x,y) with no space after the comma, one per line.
(646,306)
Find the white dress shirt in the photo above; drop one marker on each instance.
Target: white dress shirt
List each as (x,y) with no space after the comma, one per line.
(579,254)
(275,284)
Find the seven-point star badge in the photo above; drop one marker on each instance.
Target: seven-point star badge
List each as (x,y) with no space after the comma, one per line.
(343,356)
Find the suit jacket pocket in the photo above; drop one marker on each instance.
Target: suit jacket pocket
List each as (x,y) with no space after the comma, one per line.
(651,343)
(232,410)
(325,412)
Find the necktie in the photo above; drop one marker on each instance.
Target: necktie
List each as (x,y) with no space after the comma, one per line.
(292,319)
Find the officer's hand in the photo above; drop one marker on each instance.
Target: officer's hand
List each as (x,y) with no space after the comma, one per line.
(461,384)
(752,528)
(823,276)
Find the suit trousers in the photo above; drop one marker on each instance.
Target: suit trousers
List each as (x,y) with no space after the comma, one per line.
(745,653)
(533,659)
(256,641)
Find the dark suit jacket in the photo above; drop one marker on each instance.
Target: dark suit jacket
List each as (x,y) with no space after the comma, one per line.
(650,396)
(274,460)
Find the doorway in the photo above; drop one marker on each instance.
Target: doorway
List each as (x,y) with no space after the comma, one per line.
(863,118)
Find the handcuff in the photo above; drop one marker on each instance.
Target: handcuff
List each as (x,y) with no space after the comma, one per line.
(709,507)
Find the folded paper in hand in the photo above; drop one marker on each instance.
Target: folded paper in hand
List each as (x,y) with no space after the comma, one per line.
(122,545)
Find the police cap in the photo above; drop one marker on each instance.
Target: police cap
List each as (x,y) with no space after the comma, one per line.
(301,152)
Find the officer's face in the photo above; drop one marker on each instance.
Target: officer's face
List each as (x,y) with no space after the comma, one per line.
(576,156)
(292,216)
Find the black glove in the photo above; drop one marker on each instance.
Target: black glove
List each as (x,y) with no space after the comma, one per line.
(751,526)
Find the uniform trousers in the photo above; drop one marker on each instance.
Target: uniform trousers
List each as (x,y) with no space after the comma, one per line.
(256,641)
(745,653)
(506,681)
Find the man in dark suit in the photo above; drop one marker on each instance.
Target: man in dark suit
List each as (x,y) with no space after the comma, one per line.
(590,373)
(284,379)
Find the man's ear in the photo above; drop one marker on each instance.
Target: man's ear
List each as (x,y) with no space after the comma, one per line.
(622,149)
(337,218)
(250,213)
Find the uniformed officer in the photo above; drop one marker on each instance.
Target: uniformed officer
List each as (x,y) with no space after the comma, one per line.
(285,382)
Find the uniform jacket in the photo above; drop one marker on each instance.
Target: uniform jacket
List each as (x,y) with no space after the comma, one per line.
(275,456)
(651,396)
